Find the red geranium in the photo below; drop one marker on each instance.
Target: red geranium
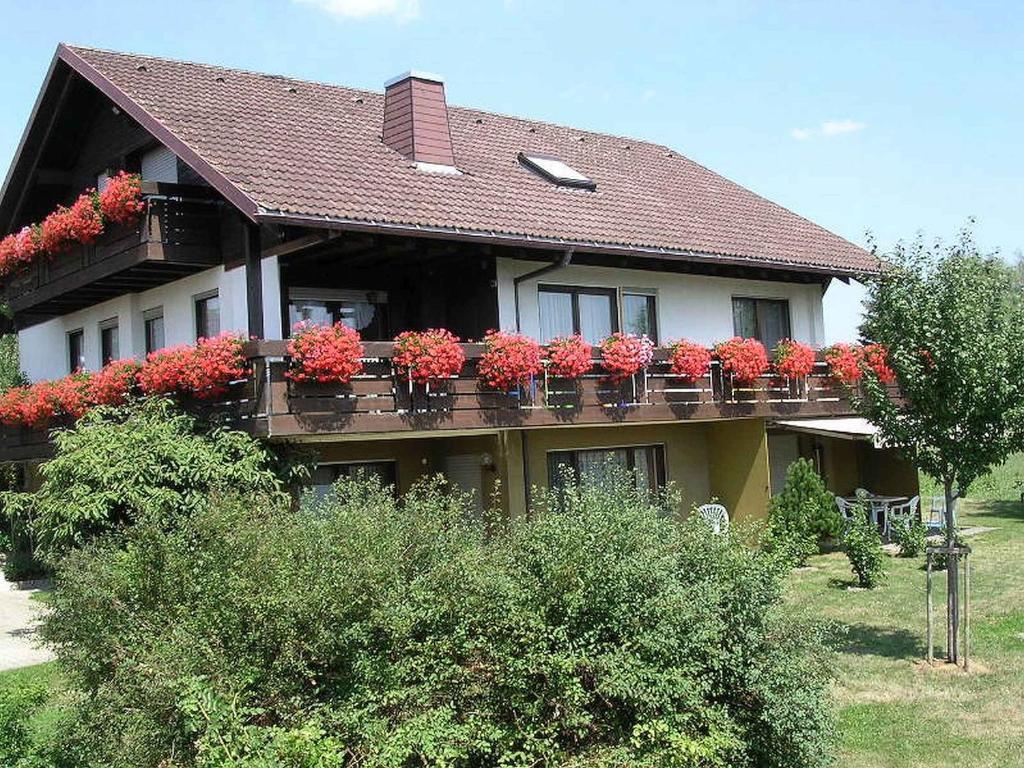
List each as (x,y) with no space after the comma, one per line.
(56,233)
(624,354)
(9,261)
(167,370)
(28,242)
(508,360)
(689,359)
(121,202)
(428,356)
(745,359)
(325,353)
(793,359)
(876,358)
(217,362)
(569,357)
(114,384)
(844,362)
(10,406)
(38,404)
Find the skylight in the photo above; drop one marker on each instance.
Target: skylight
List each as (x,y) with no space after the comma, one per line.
(553,169)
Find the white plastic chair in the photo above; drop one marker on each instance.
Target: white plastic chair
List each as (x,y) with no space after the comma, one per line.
(715,515)
(936,519)
(846,508)
(906,512)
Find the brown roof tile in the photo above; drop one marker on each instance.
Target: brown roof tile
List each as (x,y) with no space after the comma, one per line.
(313,150)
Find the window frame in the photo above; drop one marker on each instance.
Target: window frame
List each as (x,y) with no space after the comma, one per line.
(105,327)
(361,462)
(156,313)
(757,300)
(659,453)
(80,334)
(198,299)
(652,309)
(293,293)
(574,291)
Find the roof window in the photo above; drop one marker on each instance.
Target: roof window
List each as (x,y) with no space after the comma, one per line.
(555,170)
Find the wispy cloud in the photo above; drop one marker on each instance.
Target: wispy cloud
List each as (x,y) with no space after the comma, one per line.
(829,128)
(399,10)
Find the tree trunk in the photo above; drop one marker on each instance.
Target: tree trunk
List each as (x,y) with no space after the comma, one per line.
(952,585)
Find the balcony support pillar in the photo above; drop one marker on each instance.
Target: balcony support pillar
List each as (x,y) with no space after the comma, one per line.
(254,279)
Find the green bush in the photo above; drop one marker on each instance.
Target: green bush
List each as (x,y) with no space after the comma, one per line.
(116,465)
(803,515)
(20,565)
(18,703)
(910,535)
(364,631)
(863,546)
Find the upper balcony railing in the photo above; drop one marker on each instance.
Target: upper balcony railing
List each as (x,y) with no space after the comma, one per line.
(381,401)
(178,233)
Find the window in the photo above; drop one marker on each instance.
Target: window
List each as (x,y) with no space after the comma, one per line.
(110,341)
(76,350)
(326,475)
(366,311)
(640,315)
(565,310)
(555,170)
(766,320)
(647,462)
(207,315)
(153,326)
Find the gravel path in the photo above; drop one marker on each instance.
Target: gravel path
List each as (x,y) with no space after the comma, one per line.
(18,616)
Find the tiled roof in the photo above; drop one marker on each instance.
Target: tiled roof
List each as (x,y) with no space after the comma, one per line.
(313,150)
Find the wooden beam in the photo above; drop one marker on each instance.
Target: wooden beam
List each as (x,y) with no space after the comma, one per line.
(254,279)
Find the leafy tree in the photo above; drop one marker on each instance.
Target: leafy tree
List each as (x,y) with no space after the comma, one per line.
(146,459)
(953,322)
(365,631)
(803,514)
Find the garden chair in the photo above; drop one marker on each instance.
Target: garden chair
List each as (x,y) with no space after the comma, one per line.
(906,513)
(715,515)
(846,508)
(936,520)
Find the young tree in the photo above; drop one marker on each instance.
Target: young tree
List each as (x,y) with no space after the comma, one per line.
(952,319)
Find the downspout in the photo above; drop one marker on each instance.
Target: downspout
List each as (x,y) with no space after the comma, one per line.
(563,262)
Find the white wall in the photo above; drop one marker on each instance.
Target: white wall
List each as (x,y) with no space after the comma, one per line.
(43,347)
(694,307)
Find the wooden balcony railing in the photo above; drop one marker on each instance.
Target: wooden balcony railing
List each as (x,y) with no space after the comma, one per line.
(379,401)
(179,233)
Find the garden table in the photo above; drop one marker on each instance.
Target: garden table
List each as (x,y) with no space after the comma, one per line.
(879,507)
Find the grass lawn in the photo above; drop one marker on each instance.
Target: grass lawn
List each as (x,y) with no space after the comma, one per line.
(894,710)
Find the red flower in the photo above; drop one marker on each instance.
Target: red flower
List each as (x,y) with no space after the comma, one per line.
(167,370)
(569,357)
(10,406)
(793,359)
(56,233)
(876,358)
(324,353)
(121,202)
(508,360)
(217,362)
(114,384)
(9,261)
(844,362)
(744,359)
(428,356)
(38,404)
(690,360)
(28,243)
(624,354)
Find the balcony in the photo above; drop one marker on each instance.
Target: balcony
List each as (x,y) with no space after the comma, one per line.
(179,234)
(380,403)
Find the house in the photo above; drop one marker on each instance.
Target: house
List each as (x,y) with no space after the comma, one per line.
(269,200)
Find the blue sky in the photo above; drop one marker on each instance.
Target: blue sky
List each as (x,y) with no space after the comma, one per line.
(889,117)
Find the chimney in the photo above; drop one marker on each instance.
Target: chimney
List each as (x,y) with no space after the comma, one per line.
(416,119)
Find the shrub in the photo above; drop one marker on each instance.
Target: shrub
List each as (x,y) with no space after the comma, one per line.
(17,703)
(115,465)
(364,631)
(863,546)
(21,565)
(910,535)
(803,514)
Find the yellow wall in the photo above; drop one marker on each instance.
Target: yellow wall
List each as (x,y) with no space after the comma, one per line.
(738,466)
(686,457)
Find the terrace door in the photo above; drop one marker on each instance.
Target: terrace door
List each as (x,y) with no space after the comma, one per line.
(464,472)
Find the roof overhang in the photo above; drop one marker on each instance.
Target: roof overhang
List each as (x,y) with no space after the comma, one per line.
(548,243)
(851,428)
